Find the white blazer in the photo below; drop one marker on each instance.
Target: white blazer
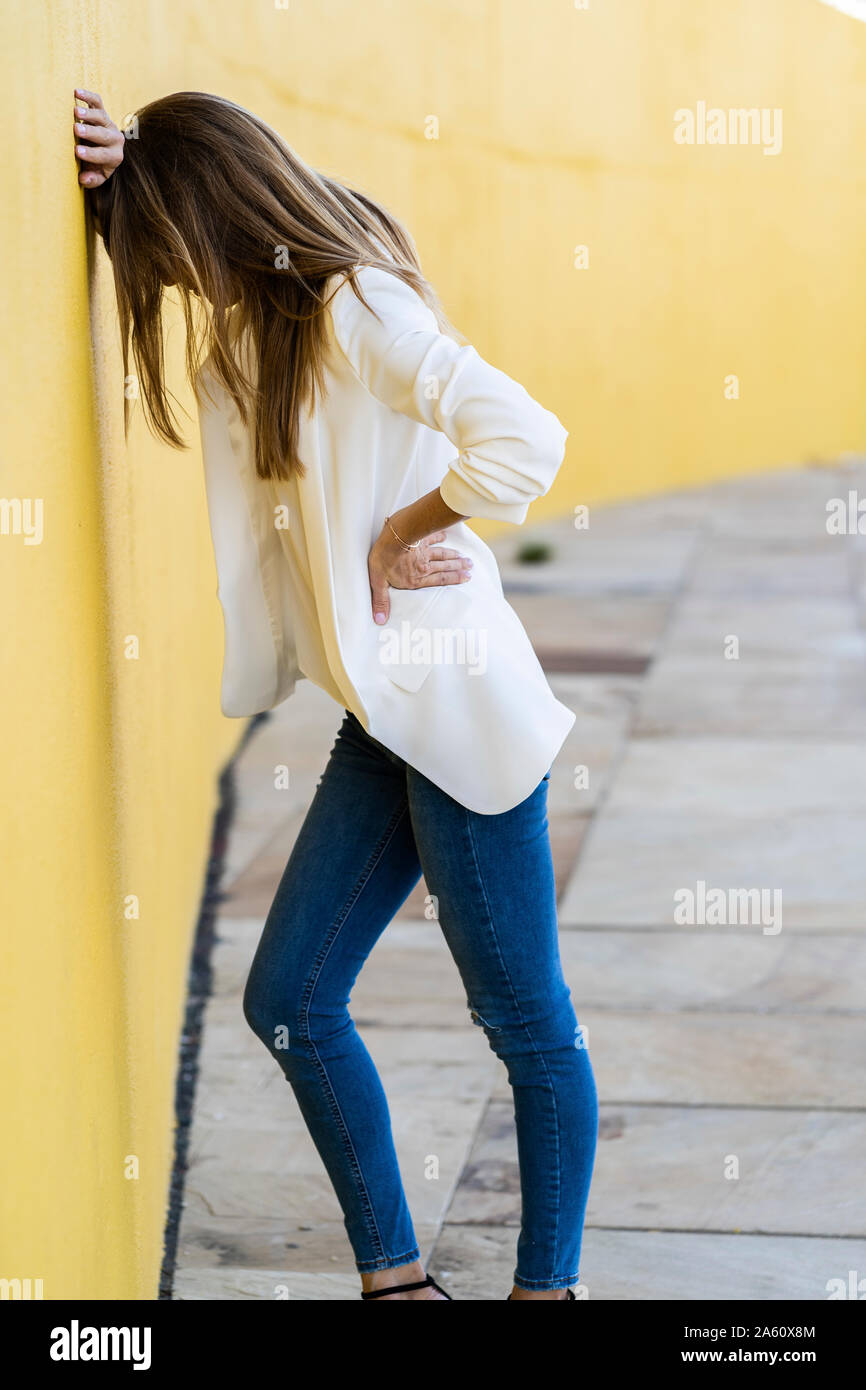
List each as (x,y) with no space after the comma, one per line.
(451,683)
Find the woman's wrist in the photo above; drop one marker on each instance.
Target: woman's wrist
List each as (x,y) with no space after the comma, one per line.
(399,525)
(420,519)
(404,544)
(389,549)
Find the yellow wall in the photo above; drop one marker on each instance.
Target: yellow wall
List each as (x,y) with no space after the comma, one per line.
(109,766)
(555,128)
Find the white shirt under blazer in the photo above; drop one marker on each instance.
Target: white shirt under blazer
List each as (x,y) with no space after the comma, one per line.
(451,683)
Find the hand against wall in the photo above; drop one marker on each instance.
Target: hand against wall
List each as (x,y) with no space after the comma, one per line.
(99,144)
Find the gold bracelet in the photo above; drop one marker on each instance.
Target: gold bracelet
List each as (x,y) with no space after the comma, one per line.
(413,546)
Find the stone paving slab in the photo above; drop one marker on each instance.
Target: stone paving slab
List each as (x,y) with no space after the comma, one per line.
(757,568)
(718,1058)
(261,1284)
(663,1167)
(816,864)
(785,815)
(620,624)
(213,1242)
(587,562)
(750,779)
(298,735)
(780,505)
(794,974)
(696,696)
(279,1196)
(253,887)
(477,1262)
(793,633)
(283,1176)
(604,709)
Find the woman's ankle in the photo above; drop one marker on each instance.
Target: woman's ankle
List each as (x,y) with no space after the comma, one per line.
(519,1295)
(375,1279)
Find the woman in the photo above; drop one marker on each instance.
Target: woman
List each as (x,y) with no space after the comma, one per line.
(346,434)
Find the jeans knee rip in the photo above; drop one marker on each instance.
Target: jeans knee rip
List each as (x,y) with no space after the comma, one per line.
(481,1022)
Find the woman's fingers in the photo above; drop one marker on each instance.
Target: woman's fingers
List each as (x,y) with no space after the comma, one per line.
(379,593)
(93,99)
(454,570)
(437,577)
(95,134)
(440,560)
(105,143)
(440,553)
(459,563)
(92,115)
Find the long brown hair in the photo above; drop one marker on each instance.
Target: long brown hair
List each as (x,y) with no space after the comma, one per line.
(211,199)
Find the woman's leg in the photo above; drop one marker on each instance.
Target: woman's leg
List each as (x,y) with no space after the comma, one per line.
(351,868)
(493,878)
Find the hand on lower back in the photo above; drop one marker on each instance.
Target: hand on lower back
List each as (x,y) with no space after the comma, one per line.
(390,566)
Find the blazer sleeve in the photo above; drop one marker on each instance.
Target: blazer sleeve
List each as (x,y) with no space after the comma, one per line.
(509,448)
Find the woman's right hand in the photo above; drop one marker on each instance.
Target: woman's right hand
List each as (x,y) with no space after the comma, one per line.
(104,152)
(390,566)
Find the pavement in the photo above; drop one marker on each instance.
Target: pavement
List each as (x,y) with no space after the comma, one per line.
(711,643)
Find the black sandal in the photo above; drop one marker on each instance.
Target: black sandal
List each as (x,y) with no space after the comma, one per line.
(429,1282)
(568,1295)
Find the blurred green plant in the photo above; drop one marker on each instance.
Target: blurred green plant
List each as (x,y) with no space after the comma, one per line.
(534,553)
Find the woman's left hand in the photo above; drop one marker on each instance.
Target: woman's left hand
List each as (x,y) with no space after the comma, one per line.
(104,152)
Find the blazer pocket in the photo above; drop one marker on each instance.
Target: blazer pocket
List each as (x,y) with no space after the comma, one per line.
(411,642)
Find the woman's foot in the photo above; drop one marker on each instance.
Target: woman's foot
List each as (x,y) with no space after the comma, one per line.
(401,1274)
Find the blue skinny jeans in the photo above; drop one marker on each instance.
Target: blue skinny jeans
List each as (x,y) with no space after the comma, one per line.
(374,825)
